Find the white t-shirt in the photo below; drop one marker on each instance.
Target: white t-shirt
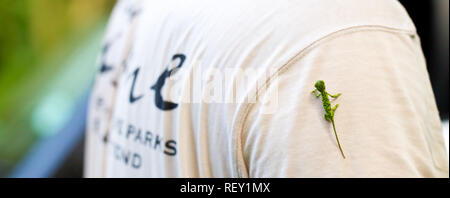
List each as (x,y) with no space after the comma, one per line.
(223,89)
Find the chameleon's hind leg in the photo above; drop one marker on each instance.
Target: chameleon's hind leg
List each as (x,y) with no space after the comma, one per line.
(334,96)
(334,108)
(327,117)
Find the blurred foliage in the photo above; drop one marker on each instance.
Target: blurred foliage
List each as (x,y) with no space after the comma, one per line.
(37,38)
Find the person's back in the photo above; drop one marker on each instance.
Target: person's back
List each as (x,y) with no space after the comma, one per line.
(223,89)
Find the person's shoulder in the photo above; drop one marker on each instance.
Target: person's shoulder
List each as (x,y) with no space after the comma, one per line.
(328,16)
(301,24)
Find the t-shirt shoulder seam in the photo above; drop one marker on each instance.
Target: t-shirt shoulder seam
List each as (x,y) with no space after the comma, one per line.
(245,109)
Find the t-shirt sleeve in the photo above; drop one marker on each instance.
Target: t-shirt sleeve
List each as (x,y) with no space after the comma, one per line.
(387,121)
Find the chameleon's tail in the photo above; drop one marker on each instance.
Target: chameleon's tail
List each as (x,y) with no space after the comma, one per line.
(337,139)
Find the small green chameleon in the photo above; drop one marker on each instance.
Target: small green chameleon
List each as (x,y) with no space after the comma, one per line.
(329,112)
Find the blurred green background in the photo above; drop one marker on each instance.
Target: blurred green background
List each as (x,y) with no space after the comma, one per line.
(48,53)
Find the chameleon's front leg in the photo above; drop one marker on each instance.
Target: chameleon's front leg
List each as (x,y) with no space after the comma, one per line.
(315,92)
(334,96)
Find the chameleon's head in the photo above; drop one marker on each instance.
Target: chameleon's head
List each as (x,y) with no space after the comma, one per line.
(320,85)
